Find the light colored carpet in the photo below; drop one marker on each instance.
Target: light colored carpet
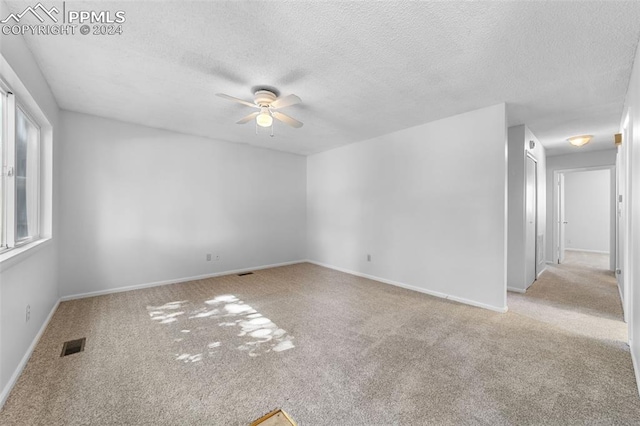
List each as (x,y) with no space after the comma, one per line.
(580,296)
(335,350)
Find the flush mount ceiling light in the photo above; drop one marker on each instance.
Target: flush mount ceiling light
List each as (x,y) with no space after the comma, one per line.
(579,140)
(269,105)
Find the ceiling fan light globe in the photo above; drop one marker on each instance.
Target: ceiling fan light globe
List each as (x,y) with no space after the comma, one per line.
(264,120)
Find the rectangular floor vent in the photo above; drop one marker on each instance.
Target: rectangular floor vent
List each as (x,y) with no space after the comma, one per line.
(73,347)
(245,273)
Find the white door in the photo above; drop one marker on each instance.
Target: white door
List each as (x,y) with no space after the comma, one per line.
(562,223)
(530,221)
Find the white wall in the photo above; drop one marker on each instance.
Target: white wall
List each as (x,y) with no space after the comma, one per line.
(31,277)
(581,160)
(518,146)
(428,204)
(631,150)
(143,205)
(588,210)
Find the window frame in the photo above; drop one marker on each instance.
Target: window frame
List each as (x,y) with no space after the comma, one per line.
(8,181)
(3,138)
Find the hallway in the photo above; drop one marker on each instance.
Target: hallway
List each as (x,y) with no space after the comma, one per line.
(579,296)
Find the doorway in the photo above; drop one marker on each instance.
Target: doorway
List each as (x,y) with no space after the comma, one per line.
(585,216)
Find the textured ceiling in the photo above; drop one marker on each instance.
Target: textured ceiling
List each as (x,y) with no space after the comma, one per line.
(362,69)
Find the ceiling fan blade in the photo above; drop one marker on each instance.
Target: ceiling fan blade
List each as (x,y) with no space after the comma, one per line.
(287,120)
(240,101)
(248,118)
(285,102)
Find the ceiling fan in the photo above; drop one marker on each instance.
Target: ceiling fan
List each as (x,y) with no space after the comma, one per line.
(269,105)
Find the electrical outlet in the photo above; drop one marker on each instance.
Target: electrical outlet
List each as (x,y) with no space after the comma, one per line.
(216,258)
(368,258)
(28,314)
(208,257)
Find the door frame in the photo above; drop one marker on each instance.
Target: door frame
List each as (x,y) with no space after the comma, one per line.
(624,278)
(612,210)
(562,235)
(535,219)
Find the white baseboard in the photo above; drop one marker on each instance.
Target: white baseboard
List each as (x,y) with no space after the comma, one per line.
(543,269)
(516,290)
(587,251)
(636,366)
(414,288)
(174,281)
(624,305)
(23,362)
(620,293)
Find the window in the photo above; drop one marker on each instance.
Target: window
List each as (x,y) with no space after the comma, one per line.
(20,185)
(26,175)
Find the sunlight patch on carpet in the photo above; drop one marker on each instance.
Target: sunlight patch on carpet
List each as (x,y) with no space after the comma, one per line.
(223,323)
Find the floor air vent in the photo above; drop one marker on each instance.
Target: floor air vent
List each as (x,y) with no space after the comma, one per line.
(73,347)
(245,273)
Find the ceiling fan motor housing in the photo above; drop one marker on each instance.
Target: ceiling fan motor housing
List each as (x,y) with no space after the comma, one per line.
(264,97)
